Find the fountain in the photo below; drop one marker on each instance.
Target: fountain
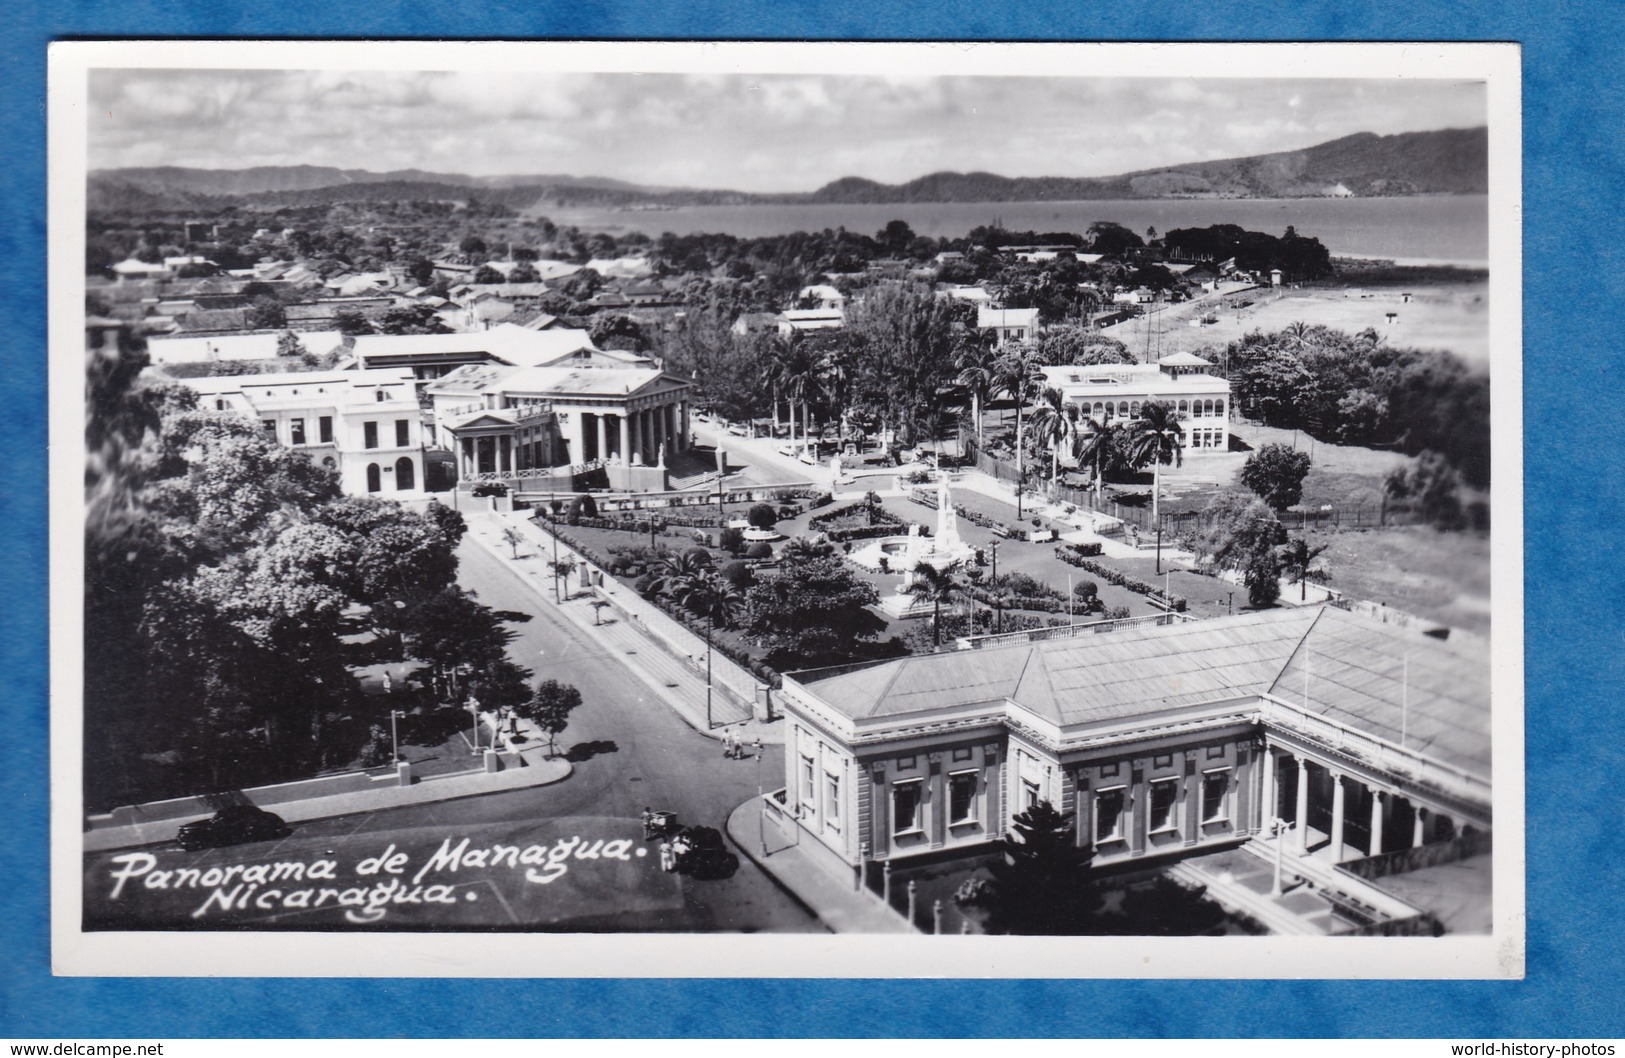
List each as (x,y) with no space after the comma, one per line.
(904,554)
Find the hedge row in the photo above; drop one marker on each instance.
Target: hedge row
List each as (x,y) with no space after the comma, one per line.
(1123,580)
(1040,603)
(1074,554)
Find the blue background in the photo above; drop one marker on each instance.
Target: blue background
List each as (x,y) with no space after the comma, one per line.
(1574,176)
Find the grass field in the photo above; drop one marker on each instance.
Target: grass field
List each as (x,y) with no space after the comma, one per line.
(1450,316)
(1443,576)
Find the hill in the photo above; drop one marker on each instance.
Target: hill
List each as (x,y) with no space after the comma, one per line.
(1445,161)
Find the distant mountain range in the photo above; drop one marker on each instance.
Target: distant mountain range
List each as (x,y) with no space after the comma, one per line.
(1446,161)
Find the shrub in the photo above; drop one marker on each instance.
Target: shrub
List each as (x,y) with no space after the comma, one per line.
(645,584)
(762,516)
(698,554)
(731,540)
(736,573)
(758,550)
(918,477)
(819,499)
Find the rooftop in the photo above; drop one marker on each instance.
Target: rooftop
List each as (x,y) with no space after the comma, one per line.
(1362,673)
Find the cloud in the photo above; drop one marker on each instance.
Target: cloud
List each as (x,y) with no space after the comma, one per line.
(753,132)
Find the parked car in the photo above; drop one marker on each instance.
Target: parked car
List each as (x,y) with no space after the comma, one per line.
(739,429)
(490,488)
(232,825)
(701,852)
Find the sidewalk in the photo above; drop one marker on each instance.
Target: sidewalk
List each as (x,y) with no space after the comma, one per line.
(386,795)
(628,633)
(838,904)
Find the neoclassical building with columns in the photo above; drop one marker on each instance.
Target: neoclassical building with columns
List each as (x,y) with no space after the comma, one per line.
(586,409)
(1364,739)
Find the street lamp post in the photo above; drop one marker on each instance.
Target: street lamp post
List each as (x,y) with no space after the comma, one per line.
(394,736)
(761,807)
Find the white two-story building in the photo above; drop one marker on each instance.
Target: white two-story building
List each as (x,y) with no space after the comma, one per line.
(1121,391)
(364,425)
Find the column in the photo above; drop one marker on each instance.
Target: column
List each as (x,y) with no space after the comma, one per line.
(651,436)
(638,441)
(684,431)
(466,445)
(505,452)
(1418,827)
(671,430)
(1376,822)
(1302,817)
(1337,818)
(626,439)
(603,436)
(1270,805)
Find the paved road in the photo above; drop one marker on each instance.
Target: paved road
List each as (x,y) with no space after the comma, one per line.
(636,753)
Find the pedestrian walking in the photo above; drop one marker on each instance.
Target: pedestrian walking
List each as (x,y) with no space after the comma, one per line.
(648,822)
(668,858)
(756,746)
(727,743)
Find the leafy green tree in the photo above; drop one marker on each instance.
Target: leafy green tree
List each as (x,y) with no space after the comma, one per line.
(1017,375)
(975,358)
(1262,576)
(289,345)
(814,612)
(1236,527)
(1041,881)
(453,633)
(1432,487)
(550,708)
(1276,473)
(411,319)
(420,270)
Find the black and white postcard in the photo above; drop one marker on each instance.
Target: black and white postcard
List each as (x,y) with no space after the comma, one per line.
(786,510)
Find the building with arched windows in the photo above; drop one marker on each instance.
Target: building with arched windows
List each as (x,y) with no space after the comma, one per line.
(1163,742)
(364,425)
(1120,391)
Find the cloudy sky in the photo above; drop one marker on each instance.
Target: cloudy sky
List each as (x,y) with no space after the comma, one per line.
(753,133)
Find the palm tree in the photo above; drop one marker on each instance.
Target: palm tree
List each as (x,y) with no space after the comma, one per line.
(935,586)
(1017,373)
(690,582)
(1155,438)
(798,372)
(1297,562)
(1056,421)
(975,359)
(1094,441)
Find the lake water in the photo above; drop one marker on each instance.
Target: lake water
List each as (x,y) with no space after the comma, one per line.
(1451,228)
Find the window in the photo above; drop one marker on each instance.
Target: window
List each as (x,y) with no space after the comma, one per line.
(1164,799)
(905,800)
(1109,814)
(1029,792)
(1163,760)
(1122,409)
(1215,784)
(269,426)
(1100,409)
(324,429)
(375,481)
(1184,407)
(296,431)
(961,754)
(832,801)
(1215,752)
(962,797)
(219,405)
(1218,408)
(1134,410)
(403,433)
(382,395)
(807,791)
(369,435)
